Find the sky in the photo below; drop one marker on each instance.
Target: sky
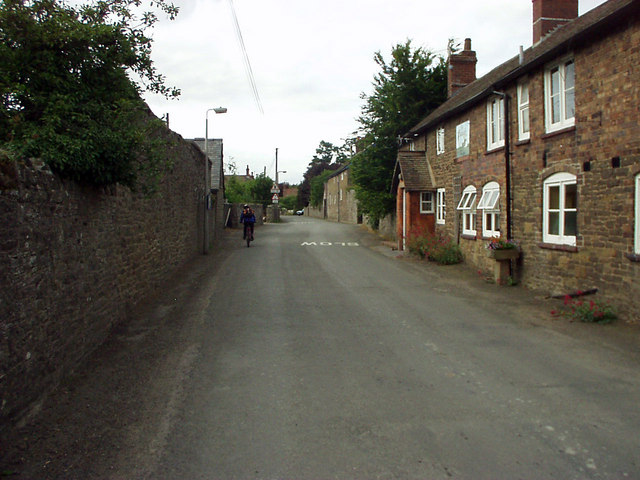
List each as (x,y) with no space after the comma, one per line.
(311,61)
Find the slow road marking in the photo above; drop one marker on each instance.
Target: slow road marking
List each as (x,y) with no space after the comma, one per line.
(329,244)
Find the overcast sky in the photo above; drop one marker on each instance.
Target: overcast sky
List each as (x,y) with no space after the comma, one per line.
(311,60)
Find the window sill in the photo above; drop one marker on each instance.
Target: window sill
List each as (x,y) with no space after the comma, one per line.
(427,213)
(558,247)
(633,257)
(558,132)
(494,150)
(468,236)
(525,141)
(463,158)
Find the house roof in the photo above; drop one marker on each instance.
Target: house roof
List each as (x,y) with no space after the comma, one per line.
(340,170)
(415,172)
(562,40)
(214,154)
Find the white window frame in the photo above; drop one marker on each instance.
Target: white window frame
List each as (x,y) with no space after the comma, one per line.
(441,209)
(440,141)
(524,125)
(426,204)
(467,205)
(636,248)
(490,205)
(566,91)
(561,181)
(495,123)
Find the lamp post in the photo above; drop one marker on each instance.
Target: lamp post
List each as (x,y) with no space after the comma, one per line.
(207,188)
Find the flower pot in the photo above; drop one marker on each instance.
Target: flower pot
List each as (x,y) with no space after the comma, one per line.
(504,254)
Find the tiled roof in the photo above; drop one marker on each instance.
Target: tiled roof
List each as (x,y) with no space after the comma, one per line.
(340,170)
(562,40)
(214,147)
(415,171)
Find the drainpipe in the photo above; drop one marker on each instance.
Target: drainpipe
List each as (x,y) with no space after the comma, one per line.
(507,159)
(507,167)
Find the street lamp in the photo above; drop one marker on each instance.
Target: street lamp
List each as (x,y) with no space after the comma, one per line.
(207,188)
(277,172)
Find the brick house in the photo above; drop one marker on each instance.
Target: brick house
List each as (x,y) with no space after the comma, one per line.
(340,204)
(544,149)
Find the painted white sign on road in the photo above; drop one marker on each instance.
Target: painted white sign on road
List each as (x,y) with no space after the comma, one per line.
(329,244)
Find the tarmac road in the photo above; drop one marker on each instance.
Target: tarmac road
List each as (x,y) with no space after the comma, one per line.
(311,355)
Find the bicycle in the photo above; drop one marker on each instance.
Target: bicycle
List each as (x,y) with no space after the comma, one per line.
(248,233)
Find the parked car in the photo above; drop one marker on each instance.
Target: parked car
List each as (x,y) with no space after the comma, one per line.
(300,212)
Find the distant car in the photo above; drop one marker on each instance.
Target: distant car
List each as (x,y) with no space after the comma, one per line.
(300,212)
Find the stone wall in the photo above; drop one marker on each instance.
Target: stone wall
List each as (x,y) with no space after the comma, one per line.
(75,260)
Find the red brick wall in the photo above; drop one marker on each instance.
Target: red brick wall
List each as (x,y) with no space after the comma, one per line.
(607,119)
(546,15)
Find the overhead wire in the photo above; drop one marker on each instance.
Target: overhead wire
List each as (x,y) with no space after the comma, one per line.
(245,58)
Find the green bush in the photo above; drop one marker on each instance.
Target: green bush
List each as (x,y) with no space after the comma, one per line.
(434,247)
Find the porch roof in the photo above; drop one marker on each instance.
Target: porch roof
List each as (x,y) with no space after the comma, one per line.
(415,172)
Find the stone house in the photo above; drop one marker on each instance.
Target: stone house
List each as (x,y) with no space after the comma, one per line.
(340,204)
(544,150)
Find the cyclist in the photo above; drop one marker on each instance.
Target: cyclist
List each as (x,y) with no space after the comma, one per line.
(248,218)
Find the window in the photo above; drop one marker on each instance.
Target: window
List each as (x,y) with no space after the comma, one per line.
(462,139)
(440,141)
(560,209)
(490,209)
(441,207)
(637,239)
(523,111)
(467,205)
(559,88)
(412,146)
(426,202)
(495,123)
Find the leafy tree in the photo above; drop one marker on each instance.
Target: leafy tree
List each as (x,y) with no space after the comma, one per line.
(327,157)
(290,202)
(260,190)
(317,187)
(235,191)
(406,90)
(257,190)
(66,89)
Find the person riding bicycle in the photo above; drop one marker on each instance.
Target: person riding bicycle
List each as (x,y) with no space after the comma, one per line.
(249,220)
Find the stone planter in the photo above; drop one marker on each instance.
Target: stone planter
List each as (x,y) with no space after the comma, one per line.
(502,258)
(504,254)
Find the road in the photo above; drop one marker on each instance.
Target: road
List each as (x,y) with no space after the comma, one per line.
(311,355)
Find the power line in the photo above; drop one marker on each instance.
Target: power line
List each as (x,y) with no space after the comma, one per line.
(245,58)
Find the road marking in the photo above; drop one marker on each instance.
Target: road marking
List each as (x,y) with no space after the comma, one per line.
(329,244)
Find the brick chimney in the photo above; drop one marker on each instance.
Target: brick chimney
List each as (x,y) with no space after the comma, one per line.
(551,14)
(462,68)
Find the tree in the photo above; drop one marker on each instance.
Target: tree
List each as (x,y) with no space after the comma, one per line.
(406,90)
(317,188)
(260,190)
(290,202)
(327,157)
(66,92)
(257,190)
